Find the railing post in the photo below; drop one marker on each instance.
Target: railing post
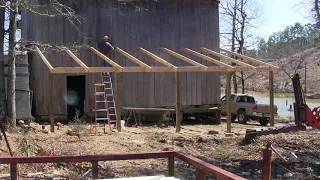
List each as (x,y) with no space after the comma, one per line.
(95,170)
(171,166)
(199,174)
(266,163)
(14,171)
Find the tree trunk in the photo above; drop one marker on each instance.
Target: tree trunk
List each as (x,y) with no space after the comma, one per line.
(242,81)
(11,93)
(316,8)
(233,39)
(2,84)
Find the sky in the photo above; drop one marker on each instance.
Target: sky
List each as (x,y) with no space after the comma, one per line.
(279,14)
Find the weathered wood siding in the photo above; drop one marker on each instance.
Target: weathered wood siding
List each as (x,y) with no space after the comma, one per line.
(171,24)
(23,93)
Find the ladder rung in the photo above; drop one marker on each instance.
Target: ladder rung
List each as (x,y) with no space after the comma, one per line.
(107,82)
(112,114)
(109,94)
(108,88)
(102,110)
(100,93)
(101,119)
(100,101)
(99,84)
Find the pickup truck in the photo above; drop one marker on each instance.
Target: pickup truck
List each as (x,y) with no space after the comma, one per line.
(244,107)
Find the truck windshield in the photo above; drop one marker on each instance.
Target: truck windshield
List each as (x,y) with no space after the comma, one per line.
(224,98)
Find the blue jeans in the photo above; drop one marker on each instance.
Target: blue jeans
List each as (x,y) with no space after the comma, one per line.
(103,63)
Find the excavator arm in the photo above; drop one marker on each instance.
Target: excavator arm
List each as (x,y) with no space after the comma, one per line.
(303,114)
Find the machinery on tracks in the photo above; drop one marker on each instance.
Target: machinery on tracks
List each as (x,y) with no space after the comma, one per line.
(304,116)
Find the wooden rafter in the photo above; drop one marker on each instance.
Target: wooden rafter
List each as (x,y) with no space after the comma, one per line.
(129,56)
(208,58)
(251,59)
(157,58)
(44,59)
(77,60)
(114,64)
(190,61)
(228,58)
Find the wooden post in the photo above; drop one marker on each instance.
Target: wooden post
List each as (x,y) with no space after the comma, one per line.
(271,98)
(171,166)
(117,99)
(51,102)
(178,113)
(266,164)
(228,95)
(199,174)
(95,169)
(14,171)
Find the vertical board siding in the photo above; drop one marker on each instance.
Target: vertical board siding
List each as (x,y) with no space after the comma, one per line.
(171,24)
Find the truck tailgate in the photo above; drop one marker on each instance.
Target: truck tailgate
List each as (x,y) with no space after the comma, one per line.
(265,108)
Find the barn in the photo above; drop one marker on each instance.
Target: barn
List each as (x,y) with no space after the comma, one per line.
(130,24)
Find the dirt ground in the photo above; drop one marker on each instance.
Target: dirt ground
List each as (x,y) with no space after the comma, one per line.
(225,152)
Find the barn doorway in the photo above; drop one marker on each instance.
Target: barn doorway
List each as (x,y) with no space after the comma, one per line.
(75,95)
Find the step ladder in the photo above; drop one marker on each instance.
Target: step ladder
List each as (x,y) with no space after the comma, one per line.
(107,81)
(100,108)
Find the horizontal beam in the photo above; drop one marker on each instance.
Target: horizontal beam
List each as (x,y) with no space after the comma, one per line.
(114,64)
(227,58)
(129,56)
(251,59)
(62,70)
(73,70)
(203,67)
(208,58)
(77,60)
(157,58)
(44,59)
(104,69)
(86,158)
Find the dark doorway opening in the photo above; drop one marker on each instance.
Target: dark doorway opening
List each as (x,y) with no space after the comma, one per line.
(75,95)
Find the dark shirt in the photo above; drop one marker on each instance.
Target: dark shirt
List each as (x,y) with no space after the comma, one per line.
(104,47)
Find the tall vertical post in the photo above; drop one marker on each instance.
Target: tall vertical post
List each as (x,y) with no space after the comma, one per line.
(271,98)
(118,109)
(51,102)
(228,95)
(178,113)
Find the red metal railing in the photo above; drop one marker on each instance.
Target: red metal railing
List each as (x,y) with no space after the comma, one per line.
(201,167)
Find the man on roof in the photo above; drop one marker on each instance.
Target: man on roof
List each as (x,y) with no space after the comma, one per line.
(105,47)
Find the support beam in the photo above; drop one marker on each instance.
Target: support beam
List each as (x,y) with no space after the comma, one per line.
(228,95)
(51,102)
(117,99)
(228,58)
(271,98)
(203,67)
(105,58)
(129,56)
(68,70)
(178,111)
(251,59)
(44,59)
(157,58)
(77,60)
(208,58)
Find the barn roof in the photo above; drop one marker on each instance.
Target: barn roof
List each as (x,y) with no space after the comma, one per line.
(250,64)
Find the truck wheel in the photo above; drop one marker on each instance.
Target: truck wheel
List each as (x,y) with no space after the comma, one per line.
(264,121)
(242,117)
(233,118)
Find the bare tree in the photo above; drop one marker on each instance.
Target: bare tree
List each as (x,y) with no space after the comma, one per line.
(13,6)
(244,15)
